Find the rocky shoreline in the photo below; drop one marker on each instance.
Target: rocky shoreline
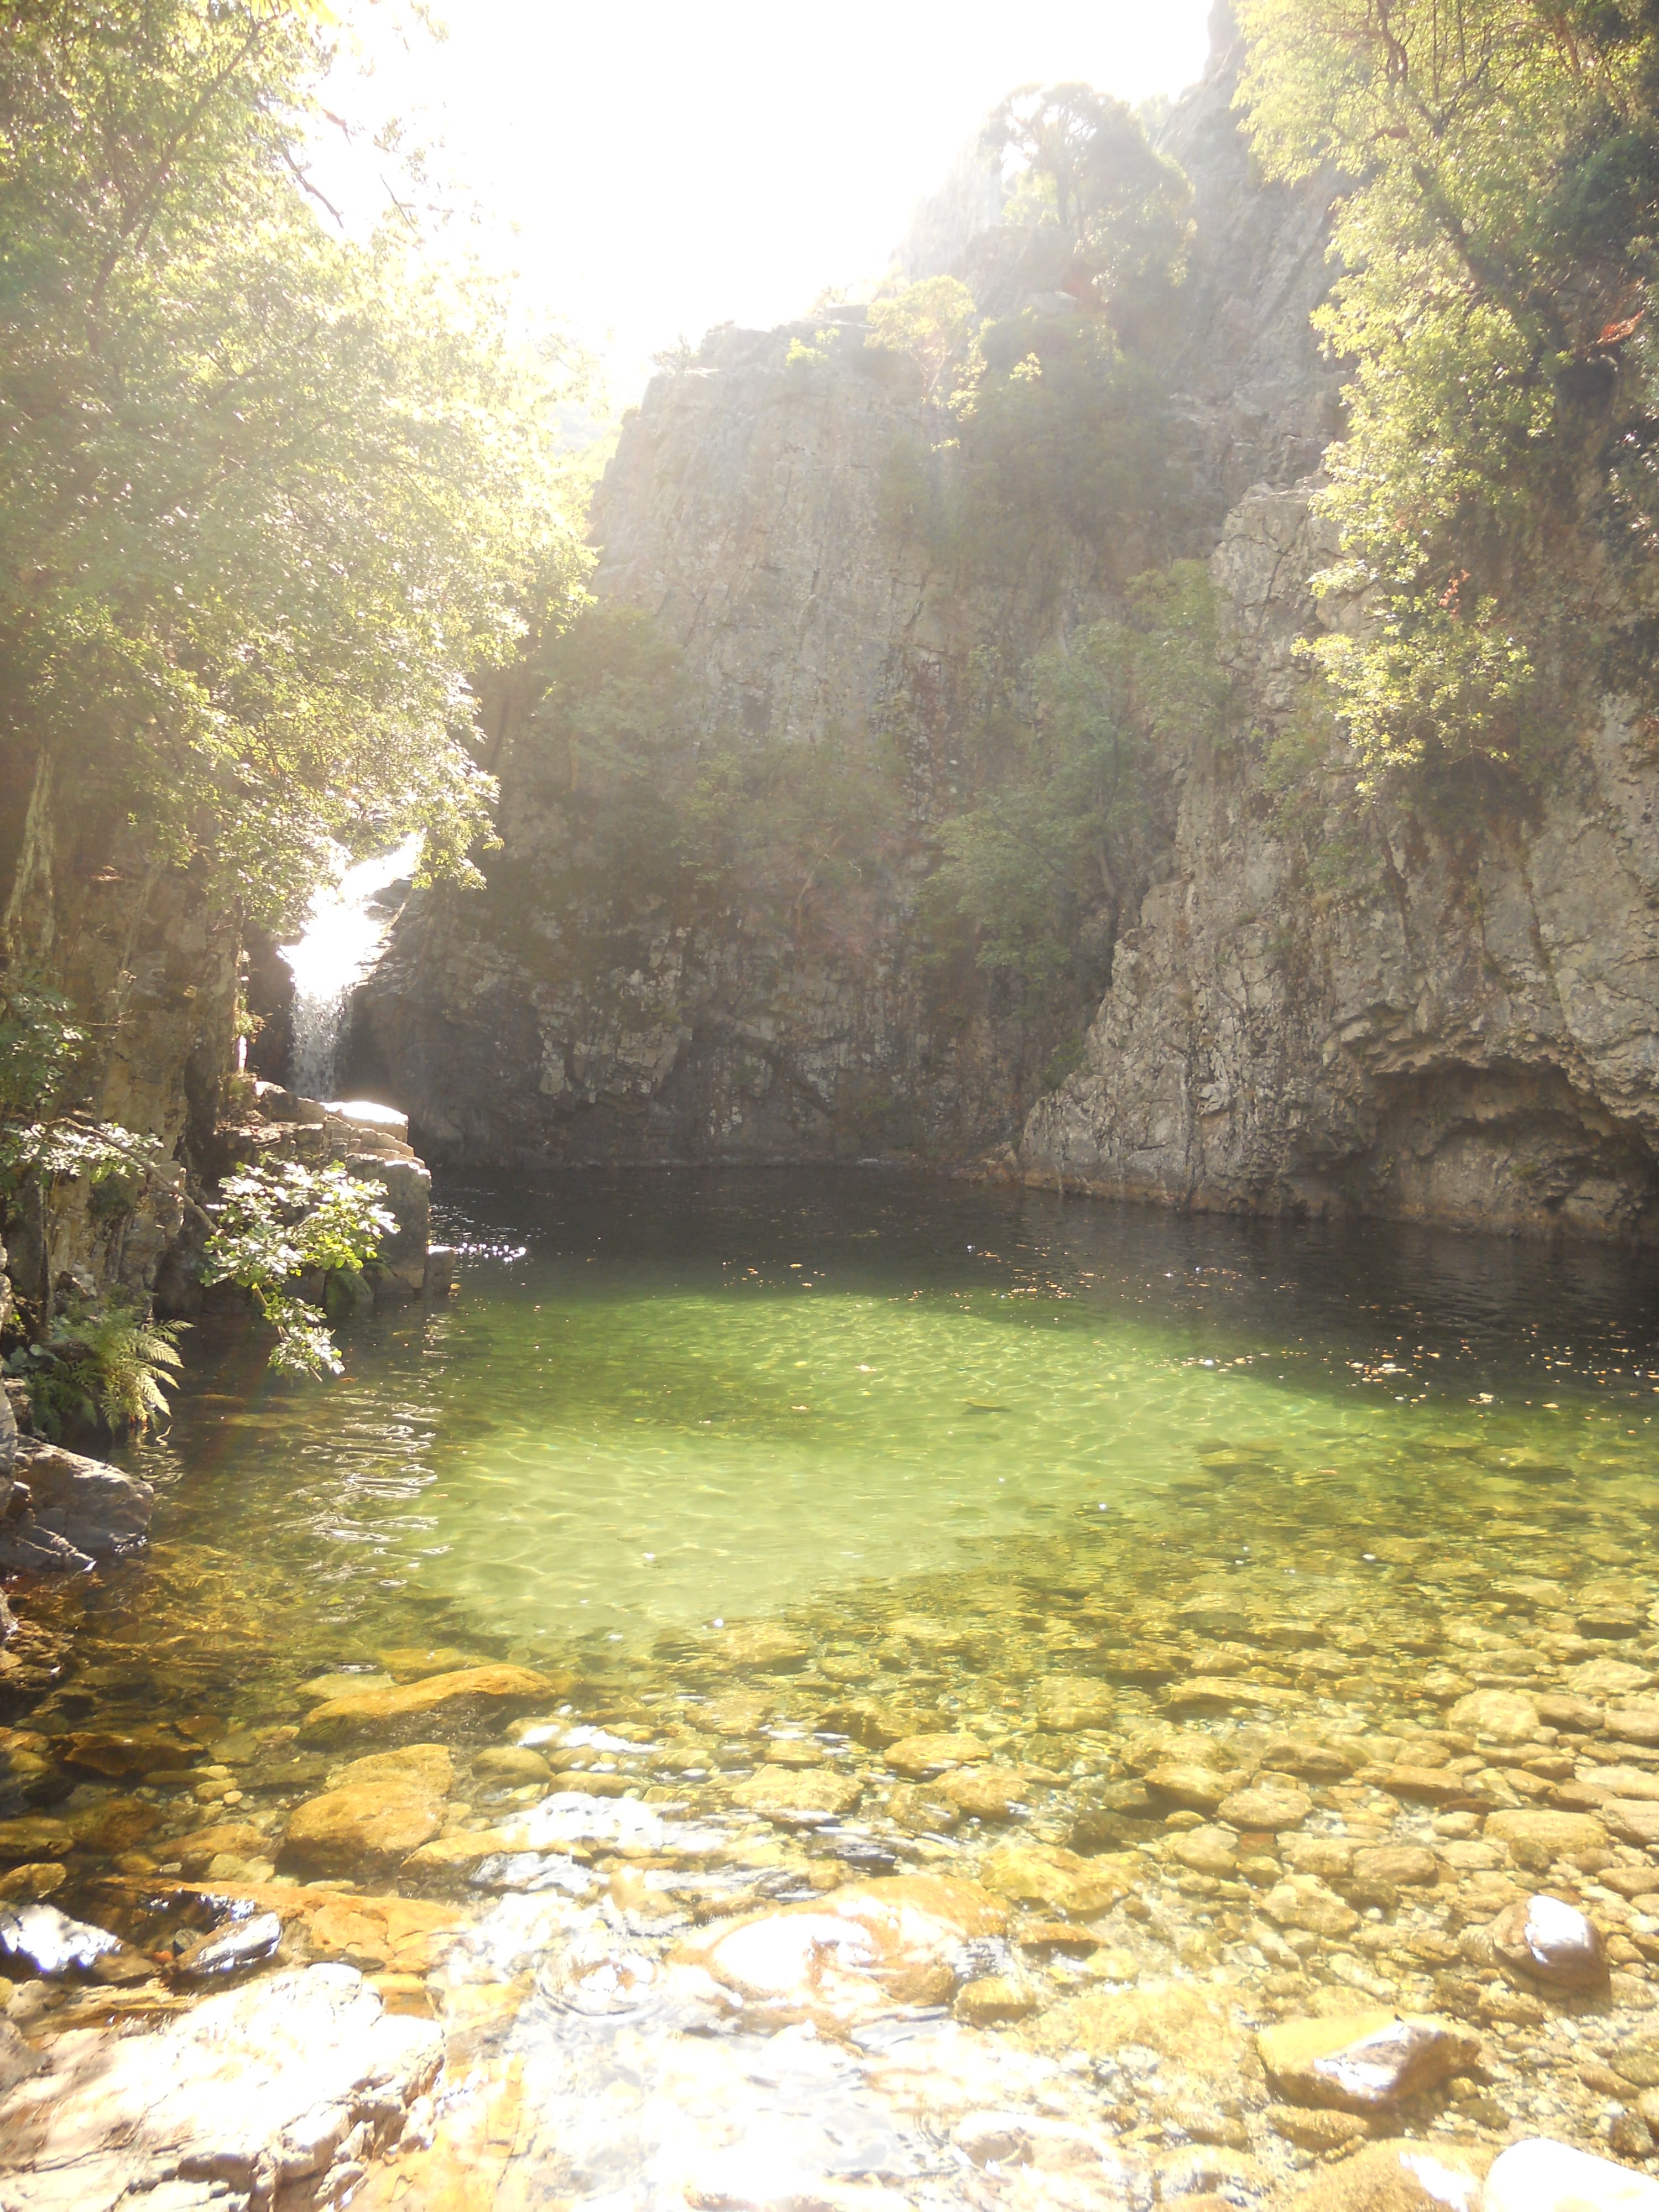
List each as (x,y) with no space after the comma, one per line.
(1096,1876)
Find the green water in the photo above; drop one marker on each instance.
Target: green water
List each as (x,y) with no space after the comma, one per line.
(675,1399)
(773,1471)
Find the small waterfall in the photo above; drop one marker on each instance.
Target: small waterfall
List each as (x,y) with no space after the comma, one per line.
(339,945)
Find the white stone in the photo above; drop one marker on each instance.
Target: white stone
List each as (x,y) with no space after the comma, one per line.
(1540,2176)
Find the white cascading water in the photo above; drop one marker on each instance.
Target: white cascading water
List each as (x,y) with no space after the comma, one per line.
(340,943)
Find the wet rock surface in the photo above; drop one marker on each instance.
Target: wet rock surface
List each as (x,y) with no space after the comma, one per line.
(275,2094)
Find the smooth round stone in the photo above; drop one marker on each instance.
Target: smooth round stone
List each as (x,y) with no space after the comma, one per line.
(1264,1809)
(512,1763)
(1405,1866)
(1550,1943)
(1541,2176)
(919,1755)
(794,1750)
(1503,1716)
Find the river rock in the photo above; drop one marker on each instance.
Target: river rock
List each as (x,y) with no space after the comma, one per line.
(301,2075)
(1552,1942)
(382,1809)
(1626,1782)
(1576,1716)
(744,1712)
(1206,1850)
(34,1836)
(993,2001)
(762,1644)
(1634,1724)
(851,1955)
(1225,1693)
(40,1940)
(1541,2176)
(1066,1702)
(471,1693)
(1330,1857)
(231,1950)
(1394,1866)
(1047,1874)
(1417,1786)
(1535,1838)
(1307,1758)
(1196,1788)
(117,1753)
(94,1507)
(795,1751)
(512,1763)
(44,1878)
(984,1793)
(227,1839)
(1265,1809)
(1503,1716)
(920,1755)
(1196,2030)
(1613,1680)
(1395,2177)
(1303,1901)
(1315,2127)
(1363,2061)
(1633,1820)
(322,1688)
(798,1800)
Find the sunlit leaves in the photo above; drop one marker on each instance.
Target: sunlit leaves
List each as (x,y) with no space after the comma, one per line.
(1496,163)
(276,1222)
(268,498)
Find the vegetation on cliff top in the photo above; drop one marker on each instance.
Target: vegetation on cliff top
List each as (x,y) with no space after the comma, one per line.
(1499,236)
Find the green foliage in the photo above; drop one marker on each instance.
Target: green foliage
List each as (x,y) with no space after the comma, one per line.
(267,494)
(1499,252)
(275,1224)
(932,320)
(1082,162)
(640,810)
(1061,435)
(38,1042)
(797,833)
(100,1363)
(41,1135)
(1052,840)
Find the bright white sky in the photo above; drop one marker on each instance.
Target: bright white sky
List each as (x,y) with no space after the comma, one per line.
(673,164)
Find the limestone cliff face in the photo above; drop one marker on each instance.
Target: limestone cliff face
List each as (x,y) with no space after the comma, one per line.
(744,511)
(1468,1032)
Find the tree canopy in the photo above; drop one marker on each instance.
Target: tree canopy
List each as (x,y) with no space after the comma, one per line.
(1081,159)
(1497,225)
(269,494)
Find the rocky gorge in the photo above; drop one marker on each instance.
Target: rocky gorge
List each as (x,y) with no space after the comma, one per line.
(1171,1746)
(1461,1029)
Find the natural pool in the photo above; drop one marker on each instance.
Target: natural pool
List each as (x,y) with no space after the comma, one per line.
(676,1398)
(1180,1547)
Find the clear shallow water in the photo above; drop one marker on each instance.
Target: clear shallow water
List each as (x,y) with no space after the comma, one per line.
(668,1399)
(1106,1490)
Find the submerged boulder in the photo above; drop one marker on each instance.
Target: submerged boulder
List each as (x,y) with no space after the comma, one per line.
(865,1949)
(468,1694)
(1363,2061)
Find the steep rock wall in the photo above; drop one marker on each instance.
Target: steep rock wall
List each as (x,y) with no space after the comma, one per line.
(148,962)
(1470,1033)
